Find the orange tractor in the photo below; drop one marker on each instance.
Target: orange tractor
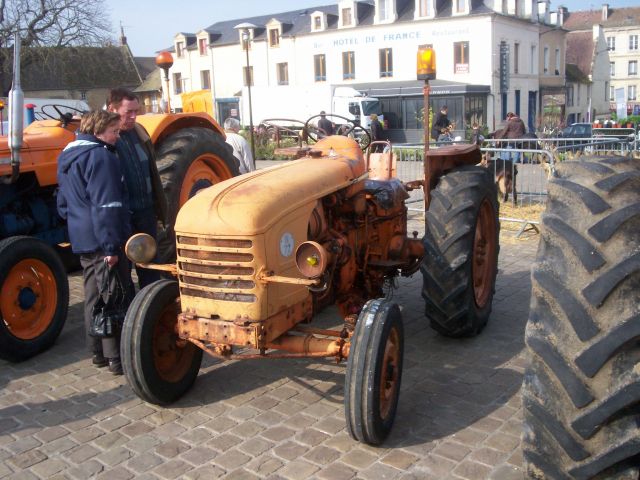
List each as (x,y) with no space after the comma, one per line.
(191,154)
(260,254)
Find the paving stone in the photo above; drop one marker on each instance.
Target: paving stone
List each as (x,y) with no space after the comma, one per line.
(379,471)
(336,471)
(86,470)
(172,448)
(358,459)
(297,470)
(143,462)
(199,455)
(264,465)
(255,446)
(311,436)
(399,459)
(290,450)
(27,459)
(231,459)
(173,469)
(206,472)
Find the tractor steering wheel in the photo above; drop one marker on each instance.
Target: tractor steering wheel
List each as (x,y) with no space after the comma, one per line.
(347,128)
(63,116)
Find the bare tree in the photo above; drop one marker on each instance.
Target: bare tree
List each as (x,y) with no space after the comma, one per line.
(58,23)
(51,23)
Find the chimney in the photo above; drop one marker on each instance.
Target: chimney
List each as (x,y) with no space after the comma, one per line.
(605,12)
(562,14)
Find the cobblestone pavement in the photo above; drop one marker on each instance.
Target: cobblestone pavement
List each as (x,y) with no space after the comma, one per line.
(459,414)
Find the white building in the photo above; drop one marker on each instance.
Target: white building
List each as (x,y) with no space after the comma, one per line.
(488,57)
(621,30)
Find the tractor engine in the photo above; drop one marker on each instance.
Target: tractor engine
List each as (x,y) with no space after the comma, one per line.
(362,229)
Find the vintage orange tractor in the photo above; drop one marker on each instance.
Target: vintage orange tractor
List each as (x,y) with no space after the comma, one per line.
(34,292)
(259,255)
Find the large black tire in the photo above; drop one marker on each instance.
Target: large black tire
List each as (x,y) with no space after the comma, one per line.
(374,372)
(34,297)
(189,160)
(158,368)
(461,245)
(581,392)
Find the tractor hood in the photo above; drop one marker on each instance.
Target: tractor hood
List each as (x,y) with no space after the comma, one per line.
(250,204)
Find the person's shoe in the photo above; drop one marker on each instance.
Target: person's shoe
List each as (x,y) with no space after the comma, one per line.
(115,366)
(99,360)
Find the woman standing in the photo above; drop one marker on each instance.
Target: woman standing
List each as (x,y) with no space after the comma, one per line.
(91,197)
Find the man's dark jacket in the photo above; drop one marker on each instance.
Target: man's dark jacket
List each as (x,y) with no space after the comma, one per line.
(159,199)
(91,196)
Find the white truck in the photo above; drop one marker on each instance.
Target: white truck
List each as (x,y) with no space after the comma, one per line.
(301,103)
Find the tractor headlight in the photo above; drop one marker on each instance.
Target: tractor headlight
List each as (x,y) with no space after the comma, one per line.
(141,248)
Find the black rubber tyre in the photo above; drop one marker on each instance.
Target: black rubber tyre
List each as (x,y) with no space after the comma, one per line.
(34,297)
(461,245)
(157,367)
(374,372)
(189,160)
(581,392)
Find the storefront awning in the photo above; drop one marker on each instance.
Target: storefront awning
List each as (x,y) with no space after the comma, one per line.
(414,88)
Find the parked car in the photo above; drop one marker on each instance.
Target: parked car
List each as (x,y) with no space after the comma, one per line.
(577,130)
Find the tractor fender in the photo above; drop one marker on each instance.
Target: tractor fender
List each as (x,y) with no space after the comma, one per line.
(160,126)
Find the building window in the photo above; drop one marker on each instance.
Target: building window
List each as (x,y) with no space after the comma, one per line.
(383,10)
(517,102)
(612,69)
(205,79)
(177,83)
(202,46)
(546,60)
(348,65)
(346,17)
(460,57)
(386,62)
(283,73)
(320,68)
(612,93)
(632,92)
(633,67)
(274,37)
(606,92)
(317,22)
(533,61)
(570,96)
(83,95)
(633,42)
(557,71)
(516,57)
(248,76)
(611,43)
(179,49)
(424,9)
(460,5)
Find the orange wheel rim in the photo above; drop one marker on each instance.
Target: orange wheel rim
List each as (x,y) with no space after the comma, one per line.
(484,254)
(204,171)
(171,356)
(390,374)
(29,299)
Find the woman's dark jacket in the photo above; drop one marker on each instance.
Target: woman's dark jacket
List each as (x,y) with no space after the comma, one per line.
(91,196)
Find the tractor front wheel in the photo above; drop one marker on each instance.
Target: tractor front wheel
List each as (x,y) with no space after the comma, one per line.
(461,252)
(159,366)
(374,371)
(34,297)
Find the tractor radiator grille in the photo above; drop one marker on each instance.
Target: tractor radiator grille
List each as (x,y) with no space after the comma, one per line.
(216,269)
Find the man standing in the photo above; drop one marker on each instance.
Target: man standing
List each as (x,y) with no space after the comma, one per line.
(325,125)
(442,122)
(240,146)
(135,150)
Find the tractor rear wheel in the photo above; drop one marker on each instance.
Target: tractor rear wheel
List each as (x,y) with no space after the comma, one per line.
(159,366)
(374,371)
(461,252)
(34,297)
(581,392)
(189,160)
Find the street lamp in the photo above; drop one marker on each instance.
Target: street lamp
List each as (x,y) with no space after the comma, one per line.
(244,28)
(164,60)
(426,70)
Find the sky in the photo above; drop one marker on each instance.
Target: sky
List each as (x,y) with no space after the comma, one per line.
(150,25)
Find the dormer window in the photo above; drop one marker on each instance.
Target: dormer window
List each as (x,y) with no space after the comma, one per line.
(202,46)
(385,11)
(347,17)
(460,6)
(317,22)
(274,37)
(180,49)
(424,8)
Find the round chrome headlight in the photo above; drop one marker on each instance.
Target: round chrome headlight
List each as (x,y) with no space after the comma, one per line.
(141,248)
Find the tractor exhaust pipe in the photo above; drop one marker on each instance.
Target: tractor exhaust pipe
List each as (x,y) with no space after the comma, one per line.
(16,115)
